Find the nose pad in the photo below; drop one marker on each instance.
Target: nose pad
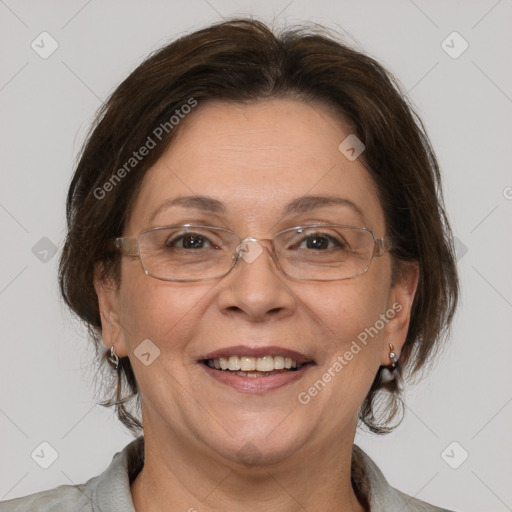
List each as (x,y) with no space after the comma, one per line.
(249,249)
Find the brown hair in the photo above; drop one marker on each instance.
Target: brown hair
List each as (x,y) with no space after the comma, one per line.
(243,60)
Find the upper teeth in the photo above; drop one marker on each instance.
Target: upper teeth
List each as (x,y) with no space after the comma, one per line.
(248,364)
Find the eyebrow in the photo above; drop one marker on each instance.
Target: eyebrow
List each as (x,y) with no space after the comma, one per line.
(297,206)
(203,203)
(306,204)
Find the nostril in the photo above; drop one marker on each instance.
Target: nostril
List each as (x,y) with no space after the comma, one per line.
(233,309)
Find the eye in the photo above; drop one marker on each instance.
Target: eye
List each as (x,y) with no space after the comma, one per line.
(317,242)
(190,241)
(320,242)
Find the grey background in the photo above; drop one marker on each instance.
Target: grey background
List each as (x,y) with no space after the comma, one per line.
(47,105)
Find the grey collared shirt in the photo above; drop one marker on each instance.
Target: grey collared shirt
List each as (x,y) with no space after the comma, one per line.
(110,491)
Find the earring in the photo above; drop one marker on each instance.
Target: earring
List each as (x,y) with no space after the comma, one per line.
(393,357)
(388,373)
(113,358)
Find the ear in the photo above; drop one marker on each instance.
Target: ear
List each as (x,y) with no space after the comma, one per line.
(400,303)
(107,291)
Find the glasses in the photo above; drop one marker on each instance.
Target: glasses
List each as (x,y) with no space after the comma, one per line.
(194,252)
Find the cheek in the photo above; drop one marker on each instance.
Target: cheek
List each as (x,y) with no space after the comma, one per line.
(349,327)
(346,308)
(159,310)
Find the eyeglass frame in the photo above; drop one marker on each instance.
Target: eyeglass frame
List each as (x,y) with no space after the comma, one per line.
(131,247)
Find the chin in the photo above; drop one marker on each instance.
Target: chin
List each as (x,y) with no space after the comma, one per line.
(261,447)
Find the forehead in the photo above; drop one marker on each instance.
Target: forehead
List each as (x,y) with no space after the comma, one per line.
(255,159)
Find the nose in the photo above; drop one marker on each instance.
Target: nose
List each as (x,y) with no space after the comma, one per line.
(255,289)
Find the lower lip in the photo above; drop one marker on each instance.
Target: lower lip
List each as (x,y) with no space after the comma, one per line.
(256,384)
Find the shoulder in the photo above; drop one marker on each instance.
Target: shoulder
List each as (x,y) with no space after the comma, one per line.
(62,498)
(108,492)
(381,496)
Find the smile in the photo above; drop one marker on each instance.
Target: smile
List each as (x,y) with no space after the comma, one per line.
(247,366)
(254,371)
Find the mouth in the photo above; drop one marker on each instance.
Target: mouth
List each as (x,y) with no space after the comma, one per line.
(247,366)
(256,370)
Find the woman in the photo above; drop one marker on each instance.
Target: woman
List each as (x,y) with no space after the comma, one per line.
(257,237)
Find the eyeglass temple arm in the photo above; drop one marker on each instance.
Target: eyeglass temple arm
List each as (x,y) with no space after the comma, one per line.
(381,246)
(128,245)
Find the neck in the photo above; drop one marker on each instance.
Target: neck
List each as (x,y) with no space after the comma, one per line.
(176,476)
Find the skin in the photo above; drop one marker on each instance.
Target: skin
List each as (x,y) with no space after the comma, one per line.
(254,158)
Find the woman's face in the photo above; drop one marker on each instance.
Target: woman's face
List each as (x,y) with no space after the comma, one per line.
(254,161)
